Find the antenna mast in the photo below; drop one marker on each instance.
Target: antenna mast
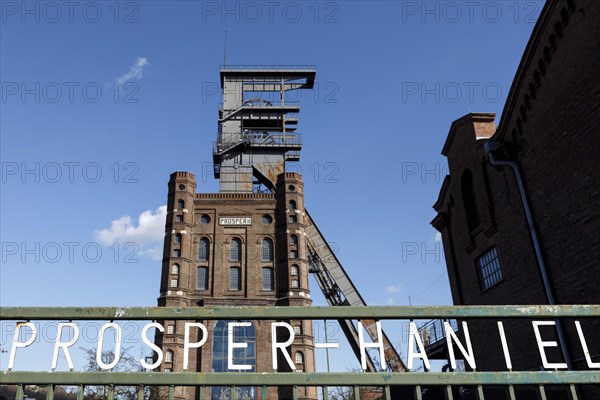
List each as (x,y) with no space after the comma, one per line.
(225,51)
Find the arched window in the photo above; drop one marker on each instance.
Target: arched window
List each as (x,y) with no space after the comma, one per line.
(175,269)
(180,204)
(169,356)
(293,239)
(202,278)
(267,282)
(294,270)
(267,250)
(299,359)
(203,249)
(468,195)
(235,278)
(292,205)
(178,238)
(235,253)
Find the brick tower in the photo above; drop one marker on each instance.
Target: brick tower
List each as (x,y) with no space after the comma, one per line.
(242,246)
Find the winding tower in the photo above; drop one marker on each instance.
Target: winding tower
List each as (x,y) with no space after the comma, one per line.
(253,243)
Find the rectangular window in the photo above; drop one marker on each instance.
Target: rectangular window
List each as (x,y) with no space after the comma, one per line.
(293,219)
(295,283)
(294,254)
(202,278)
(176,253)
(174,282)
(171,329)
(267,275)
(235,278)
(179,218)
(488,269)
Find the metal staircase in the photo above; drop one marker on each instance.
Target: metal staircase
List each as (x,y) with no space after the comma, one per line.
(338,289)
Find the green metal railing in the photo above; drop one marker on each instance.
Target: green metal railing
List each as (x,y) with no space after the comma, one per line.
(385,380)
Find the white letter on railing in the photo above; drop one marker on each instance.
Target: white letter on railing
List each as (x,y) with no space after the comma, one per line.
(586,351)
(542,344)
(450,335)
(233,345)
(378,344)
(504,345)
(16,344)
(154,347)
(118,335)
(186,341)
(276,345)
(65,346)
(413,333)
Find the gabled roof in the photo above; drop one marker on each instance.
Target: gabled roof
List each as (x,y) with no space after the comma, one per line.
(472,117)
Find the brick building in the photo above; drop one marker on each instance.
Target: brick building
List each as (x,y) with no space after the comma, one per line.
(235,249)
(519,212)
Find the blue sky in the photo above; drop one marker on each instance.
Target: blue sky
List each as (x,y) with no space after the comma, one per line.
(103,101)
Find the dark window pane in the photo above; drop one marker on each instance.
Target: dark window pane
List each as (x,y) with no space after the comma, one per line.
(488,269)
(267,275)
(267,250)
(203,251)
(235,279)
(202,278)
(235,250)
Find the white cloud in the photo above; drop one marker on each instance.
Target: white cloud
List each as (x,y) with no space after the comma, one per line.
(154,253)
(135,71)
(394,288)
(437,238)
(149,230)
(391,302)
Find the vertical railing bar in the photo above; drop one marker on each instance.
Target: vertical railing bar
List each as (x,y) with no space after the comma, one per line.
(140,393)
(418,392)
(356,391)
(111,392)
(448,393)
(325,390)
(50,393)
(480,395)
(511,392)
(295,392)
(233,393)
(573,390)
(263,393)
(80,392)
(543,392)
(388,395)
(171,392)
(20,393)
(201,394)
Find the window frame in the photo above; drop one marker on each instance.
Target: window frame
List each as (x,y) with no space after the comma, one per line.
(271,286)
(238,287)
(238,254)
(267,250)
(204,241)
(206,280)
(489,269)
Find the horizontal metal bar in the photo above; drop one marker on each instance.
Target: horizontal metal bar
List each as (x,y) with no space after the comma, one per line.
(268,313)
(300,379)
